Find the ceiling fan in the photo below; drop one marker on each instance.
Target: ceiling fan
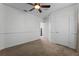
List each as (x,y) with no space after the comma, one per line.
(37,6)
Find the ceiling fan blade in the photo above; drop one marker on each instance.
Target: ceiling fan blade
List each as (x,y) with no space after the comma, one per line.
(45,6)
(30,3)
(40,10)
(31,9)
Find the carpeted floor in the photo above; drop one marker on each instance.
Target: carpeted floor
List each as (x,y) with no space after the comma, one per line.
(40,47)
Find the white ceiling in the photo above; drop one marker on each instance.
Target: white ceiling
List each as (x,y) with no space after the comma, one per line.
(45,11)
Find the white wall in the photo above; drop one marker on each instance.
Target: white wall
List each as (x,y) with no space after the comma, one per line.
(17,27)
(64,27)
(2,24)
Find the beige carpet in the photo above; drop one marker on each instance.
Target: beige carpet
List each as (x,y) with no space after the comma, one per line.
(40,47)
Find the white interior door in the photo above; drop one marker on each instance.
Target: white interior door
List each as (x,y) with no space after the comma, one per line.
(63,27)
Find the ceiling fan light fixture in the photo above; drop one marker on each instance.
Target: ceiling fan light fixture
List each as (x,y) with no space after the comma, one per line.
(37,7)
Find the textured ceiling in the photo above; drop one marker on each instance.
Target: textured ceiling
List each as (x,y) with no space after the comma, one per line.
(45,11)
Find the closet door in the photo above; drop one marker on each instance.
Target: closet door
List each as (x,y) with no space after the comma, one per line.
(64,27)
(78,30)
(53,28)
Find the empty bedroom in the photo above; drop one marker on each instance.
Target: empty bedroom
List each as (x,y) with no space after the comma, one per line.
(39,29)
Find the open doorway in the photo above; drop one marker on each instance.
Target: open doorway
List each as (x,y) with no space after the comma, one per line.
(41,28)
